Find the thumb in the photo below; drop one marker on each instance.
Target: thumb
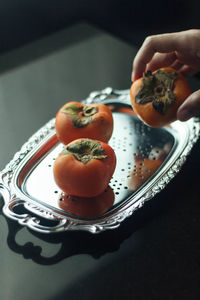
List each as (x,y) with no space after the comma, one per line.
(190,107)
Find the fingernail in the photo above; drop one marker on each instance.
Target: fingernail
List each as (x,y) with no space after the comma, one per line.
(132,76)
(184,115)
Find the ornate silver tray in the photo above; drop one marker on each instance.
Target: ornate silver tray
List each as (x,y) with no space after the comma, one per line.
(147,159)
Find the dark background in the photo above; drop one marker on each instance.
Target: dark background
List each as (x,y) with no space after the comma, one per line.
(24,21)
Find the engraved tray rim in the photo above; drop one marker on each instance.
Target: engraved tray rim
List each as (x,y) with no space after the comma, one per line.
(13,198)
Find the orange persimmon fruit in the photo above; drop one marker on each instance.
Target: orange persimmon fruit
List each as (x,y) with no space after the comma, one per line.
(77,120)
(157,96)
(84,168)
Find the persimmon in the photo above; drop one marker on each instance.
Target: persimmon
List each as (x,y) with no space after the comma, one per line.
(157,96)
(77,120)
(87,207)
(84,168)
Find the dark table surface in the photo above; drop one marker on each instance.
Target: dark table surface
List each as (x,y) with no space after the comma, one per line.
(155,254)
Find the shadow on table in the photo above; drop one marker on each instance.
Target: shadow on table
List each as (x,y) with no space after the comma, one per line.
(77,242)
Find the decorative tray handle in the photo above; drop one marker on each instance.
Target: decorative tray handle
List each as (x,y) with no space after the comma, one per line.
(11,203)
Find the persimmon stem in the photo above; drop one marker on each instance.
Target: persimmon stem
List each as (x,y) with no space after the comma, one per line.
(157,88)
(80,115)
(85,150)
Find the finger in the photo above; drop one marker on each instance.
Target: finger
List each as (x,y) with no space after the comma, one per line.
(185,41)
(161,60)
(190,107)
(189,58)
(177,65)
(188,70)
(163,43)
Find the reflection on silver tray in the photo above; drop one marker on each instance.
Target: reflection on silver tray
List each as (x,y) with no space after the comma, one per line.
(147,159)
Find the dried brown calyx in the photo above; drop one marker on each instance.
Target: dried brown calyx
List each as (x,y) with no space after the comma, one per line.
(157,88)
(85,149)
(80,115)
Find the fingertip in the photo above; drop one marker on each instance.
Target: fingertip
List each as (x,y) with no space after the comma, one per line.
(184,114)
(132,76)
(190,107)
(137,71)
(135,76)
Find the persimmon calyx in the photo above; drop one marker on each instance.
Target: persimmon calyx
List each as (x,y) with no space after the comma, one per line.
(85,150)
(157,88)
(80,115)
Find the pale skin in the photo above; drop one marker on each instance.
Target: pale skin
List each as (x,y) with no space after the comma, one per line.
(179,50)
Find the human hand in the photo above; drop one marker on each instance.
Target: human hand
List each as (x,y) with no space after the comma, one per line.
(179,50)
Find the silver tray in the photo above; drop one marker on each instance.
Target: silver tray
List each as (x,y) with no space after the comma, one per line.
(32,198)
